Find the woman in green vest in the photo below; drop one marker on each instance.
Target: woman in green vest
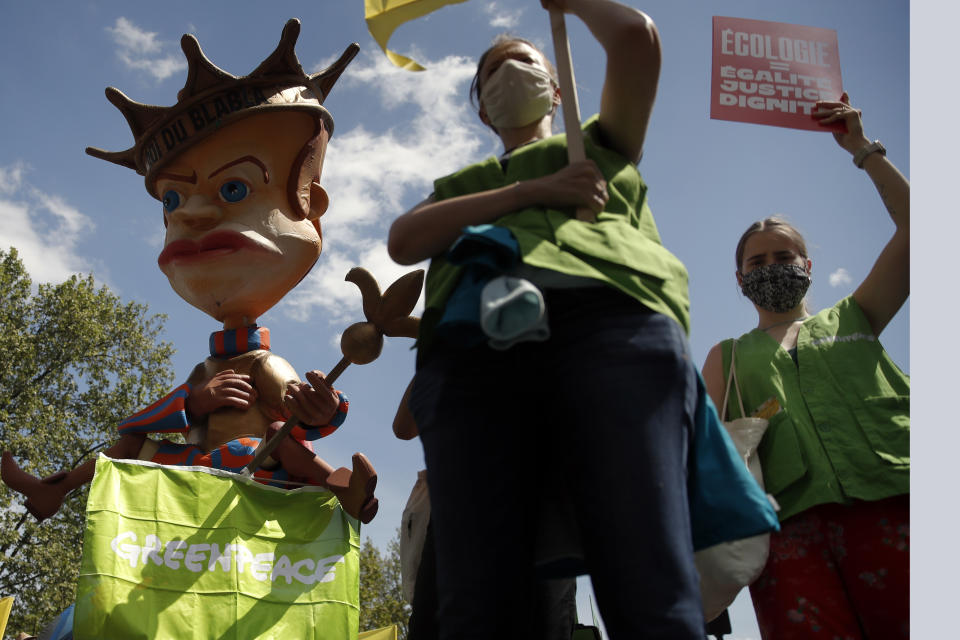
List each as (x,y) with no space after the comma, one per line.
(836,454)
(552,358)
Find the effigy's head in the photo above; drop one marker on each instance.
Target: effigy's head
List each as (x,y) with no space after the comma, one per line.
(236,164)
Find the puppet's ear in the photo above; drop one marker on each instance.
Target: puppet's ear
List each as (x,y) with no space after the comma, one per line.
(319,201)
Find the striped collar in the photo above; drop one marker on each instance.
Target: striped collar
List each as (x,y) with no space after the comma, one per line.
(232,342)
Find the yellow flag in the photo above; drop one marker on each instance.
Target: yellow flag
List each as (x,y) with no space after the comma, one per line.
(384,16)
(6,604)
(386,633)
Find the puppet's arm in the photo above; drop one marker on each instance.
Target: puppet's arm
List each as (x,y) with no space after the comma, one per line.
(320,408)
(166,415)
(190,402)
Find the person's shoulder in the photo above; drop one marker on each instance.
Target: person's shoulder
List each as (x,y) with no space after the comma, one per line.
(490,164)
(846,316)
(845,307)
(597,137)
(717,349)
(720,352)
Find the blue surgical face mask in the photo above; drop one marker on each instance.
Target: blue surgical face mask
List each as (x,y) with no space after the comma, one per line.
(776,287)
(517,94)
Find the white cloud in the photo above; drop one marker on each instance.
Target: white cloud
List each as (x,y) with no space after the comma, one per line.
(71,221)
(44,229)
(142,51)
(840,278)
(133,39)
(501,17)
(374,177)
(11,178)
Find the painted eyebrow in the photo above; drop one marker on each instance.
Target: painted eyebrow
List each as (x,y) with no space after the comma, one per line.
(251,159)
(192,178)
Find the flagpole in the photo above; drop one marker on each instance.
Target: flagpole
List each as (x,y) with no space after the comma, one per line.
(568,92)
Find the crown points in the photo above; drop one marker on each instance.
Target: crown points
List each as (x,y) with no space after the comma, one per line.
(202,74)
(211,98)
(283,61)
(325,79)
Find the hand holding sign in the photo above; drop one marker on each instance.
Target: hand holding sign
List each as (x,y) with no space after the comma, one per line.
(829,112)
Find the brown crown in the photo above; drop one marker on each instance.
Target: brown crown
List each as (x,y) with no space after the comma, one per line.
(212,98)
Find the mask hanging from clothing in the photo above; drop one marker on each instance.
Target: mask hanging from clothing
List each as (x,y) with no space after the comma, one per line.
(776,287)
(517,94)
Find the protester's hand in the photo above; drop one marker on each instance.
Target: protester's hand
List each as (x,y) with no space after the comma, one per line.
(828,112)
(225,389)
(579,184)
(313,403)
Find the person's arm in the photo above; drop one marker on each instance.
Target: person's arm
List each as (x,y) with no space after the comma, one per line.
(404,426)
(713,376)
(431,227)
(632,44)
(887,286)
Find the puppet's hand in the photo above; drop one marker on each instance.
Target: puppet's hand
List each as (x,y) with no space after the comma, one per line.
(313,403)
(226,389)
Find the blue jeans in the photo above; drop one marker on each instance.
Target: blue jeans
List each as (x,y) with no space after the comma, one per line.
(603,412)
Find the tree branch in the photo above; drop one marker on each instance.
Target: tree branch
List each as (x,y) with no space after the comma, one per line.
(23,520)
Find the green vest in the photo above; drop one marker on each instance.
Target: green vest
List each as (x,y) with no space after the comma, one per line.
(622,248)
(843,431)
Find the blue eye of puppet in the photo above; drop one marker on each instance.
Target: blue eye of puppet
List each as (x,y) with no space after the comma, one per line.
(233,191)
(171,200)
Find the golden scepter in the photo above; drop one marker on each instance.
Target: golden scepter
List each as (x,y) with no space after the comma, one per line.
(387,314)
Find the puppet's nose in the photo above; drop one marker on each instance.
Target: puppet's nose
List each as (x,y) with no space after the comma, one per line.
(198,212)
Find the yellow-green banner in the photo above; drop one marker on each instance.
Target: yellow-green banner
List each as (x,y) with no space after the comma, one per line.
(384,16)
(189,552)
(6,604)
(386,633)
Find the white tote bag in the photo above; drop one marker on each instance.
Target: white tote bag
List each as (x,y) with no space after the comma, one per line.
(728,567)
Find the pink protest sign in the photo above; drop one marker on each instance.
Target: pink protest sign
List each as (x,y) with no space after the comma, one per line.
(771,72)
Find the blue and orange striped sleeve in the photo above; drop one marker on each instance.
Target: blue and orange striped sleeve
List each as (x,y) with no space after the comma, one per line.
(166,415)
(309,434)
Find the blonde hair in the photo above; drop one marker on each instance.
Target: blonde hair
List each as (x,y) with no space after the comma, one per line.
(774,224)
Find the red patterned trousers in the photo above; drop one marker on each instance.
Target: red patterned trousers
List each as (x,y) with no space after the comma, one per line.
(838,572)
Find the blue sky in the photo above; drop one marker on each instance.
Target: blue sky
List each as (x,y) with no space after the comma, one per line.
(395,132)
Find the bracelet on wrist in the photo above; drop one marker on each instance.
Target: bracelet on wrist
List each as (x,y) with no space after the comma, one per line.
(862,154)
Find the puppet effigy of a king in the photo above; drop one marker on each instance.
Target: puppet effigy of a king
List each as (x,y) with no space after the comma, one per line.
(236,164)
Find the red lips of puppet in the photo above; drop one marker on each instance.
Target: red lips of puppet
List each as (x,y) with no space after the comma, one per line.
(216,244)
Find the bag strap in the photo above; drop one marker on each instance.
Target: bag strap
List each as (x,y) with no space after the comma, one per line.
(732,377)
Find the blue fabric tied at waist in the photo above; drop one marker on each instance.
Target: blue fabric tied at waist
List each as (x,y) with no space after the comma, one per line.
(484,251)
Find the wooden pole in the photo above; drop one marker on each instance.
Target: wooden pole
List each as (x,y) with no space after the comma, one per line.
(570,104)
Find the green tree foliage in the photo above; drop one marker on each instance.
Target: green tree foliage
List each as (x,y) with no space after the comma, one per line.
(381,595)
(75,361)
